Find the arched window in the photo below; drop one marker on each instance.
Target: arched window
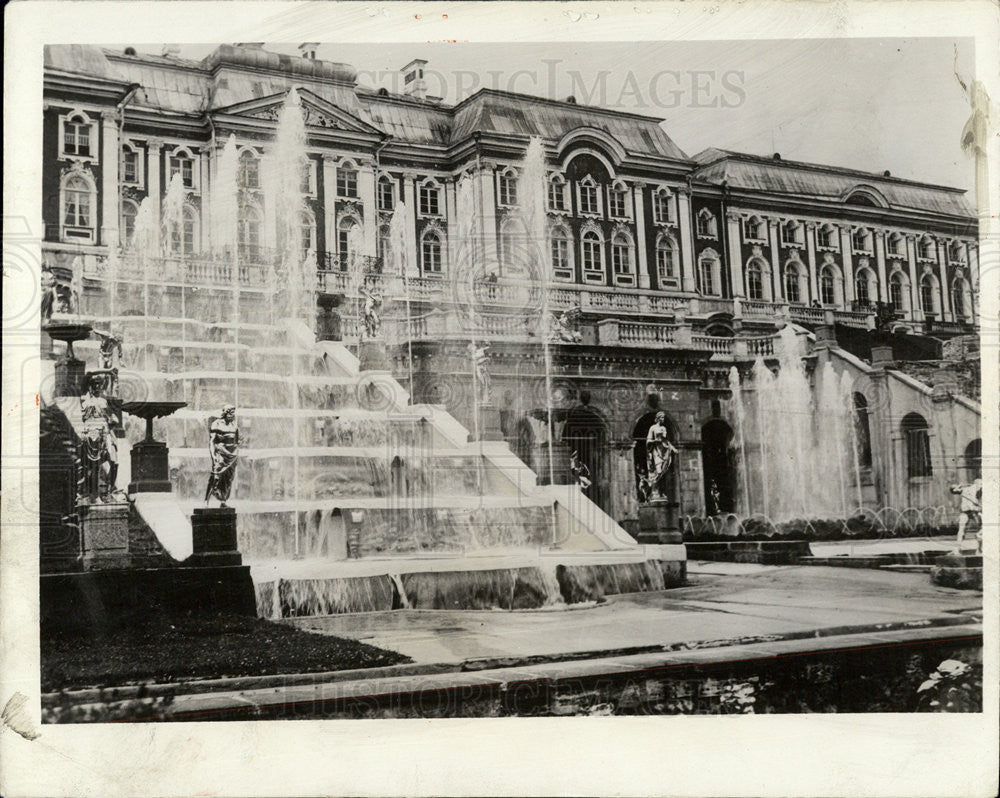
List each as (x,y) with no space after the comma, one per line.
(430,199)
(663,207)
(973,459)
(793,284)
(666,262)
(865,287)
(928,295)
(386,194)
(249,229)
(709,275)
(592,248)
(828,286)
(618,201)
(622,259)
(755,280)
(307,227)
(79,200)
(508,187)
(78,135)
(706,224)
(899,294)
(430,253)
(562,267)
(182,163)
(249,171)
(348,240)
(129,211)
(917,441)
(557,193)
(862,429)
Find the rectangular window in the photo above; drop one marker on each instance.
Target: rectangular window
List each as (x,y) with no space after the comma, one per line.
(347,183)
(386,200)
(617,203)
(184,167)
(130,167)
(308,185)
(557,196)
(429,201)
(662,211)
(76,137)
(560,255)
(508,190)
(588,199)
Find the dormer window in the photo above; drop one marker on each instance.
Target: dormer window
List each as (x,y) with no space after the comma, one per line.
(508,188)
(131,166)
(956,252)
(753,229)
(78,136)
(928,248)
(181,163)
(894,244)
(663,207)
(618,201)
(430,200)
(588,196)
(861,241)
(707,226)
(347,182)
(557,193)
(386,195)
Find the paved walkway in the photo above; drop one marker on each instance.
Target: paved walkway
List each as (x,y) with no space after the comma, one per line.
(724,601)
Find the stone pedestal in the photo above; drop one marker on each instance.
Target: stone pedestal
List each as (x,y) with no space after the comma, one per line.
(489,423)
(69,374)
(150,468)
(104,535)
(658,522)
(214,537)
(959,570)
(372,356)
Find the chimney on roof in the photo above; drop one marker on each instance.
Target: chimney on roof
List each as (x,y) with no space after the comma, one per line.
(887,173)
(171,50)
(308,50)
(414,84)
(777,156)
(571,99)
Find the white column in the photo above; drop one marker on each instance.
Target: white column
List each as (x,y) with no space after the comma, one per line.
(687,239)
(153,187)
(811,260)
(883,284)
(451,219)
(772,230)
(847,265)
(366,189)
(488,214)
(639,209)
(329,220)
(735,255)
(207,184)
(945,286)
(410,198)
(916,309)
(110,187)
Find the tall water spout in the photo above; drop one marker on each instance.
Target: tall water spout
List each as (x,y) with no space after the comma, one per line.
(739,440)
(173,216)
(225,213)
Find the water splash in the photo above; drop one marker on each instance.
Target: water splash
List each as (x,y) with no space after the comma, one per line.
(173,216)
(225,211)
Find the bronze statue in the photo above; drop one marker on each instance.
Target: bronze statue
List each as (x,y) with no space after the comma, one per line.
(110,354)
(659,457)
(579,470)
(372,312)
(98,445)
(480,361)
(224,442)
(565,326)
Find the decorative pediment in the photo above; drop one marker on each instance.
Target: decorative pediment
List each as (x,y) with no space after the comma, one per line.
(757,251)
(318,112)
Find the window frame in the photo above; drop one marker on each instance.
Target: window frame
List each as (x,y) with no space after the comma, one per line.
(68,232)
(183,156)
(432,237)
(666,245)
(593,189)
(383,182)
(425,191)
(563,235)
(79,118)
(347,181)
(623,259)
(591,241)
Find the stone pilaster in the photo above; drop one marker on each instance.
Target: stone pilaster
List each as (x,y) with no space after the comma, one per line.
(366,191)
(640,235)
(942,253)
(916,308)
(883,284)
(110,185)
(772,236)
(155,190)
(410,244)
(811,261)
(846,265)
(735,255)
(686,239)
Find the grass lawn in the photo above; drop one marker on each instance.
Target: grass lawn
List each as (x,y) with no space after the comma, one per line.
(169,648)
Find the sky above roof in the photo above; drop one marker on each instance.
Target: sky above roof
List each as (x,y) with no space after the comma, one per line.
(869,104)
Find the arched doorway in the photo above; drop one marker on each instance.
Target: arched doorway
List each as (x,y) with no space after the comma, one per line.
(586,434)
(718,466)
(973,460)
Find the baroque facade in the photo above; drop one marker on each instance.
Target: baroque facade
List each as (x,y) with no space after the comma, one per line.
(669,269)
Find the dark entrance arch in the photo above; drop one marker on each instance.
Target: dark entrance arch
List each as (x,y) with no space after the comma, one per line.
(974,459)
(586,434)
(718,466)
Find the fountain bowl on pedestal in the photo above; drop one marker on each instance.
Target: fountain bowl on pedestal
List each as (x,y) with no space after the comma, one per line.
(69,371)
(150,465)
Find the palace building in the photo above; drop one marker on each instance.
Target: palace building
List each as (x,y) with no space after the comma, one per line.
(665,271)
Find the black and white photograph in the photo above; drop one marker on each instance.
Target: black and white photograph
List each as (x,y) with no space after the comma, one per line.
(519,378)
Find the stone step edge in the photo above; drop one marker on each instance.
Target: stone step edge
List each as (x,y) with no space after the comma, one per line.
(475,665)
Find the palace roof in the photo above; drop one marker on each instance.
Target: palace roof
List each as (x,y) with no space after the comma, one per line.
(826,183)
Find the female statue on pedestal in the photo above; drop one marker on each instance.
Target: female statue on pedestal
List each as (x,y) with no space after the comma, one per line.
(98,444)
(224,442)
(659,457)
